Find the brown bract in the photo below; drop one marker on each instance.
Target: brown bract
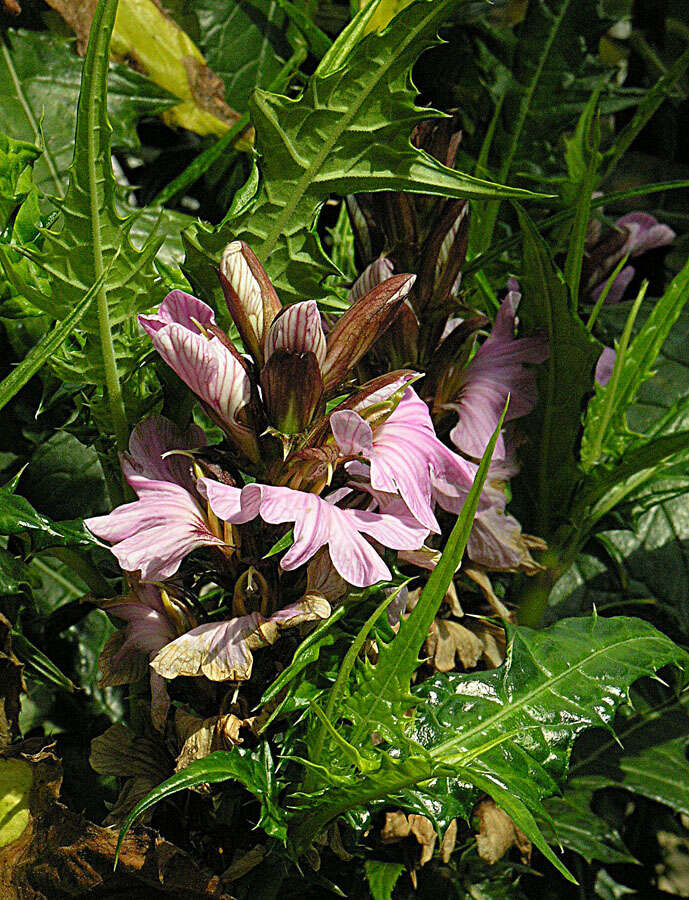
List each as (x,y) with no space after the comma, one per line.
(11,686)
(497,833)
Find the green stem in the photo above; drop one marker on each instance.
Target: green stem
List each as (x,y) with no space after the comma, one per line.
(611,388)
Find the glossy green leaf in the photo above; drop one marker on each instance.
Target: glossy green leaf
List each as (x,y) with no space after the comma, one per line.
(509,732)
(254,770)
(38,665)
(348,132)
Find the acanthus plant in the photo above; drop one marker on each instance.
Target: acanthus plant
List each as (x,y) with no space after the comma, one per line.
(355,469)
(322,476)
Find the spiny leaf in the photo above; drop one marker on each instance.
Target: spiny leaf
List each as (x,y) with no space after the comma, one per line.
(93,241)
(254,770)
(606,433)
(382,877)
(381,695)
(508,732)
(348,132)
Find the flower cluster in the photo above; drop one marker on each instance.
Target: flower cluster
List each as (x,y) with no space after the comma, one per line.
(324,483)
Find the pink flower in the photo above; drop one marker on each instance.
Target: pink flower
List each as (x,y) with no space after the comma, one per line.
(185,334)
(153,534)
(635,234)
(318,523)
(605,365)
(222,651)
(404,454)
(497,369)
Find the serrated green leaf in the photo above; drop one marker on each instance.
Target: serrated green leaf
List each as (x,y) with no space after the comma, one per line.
(381,695)
(40,76)
(382,877)
(509,732)
(252,769)
(348,132)
(564,380)
(16,157)
(606,433)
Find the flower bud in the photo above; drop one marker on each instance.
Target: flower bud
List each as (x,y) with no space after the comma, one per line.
(361,325)
(250,297)
(292,389)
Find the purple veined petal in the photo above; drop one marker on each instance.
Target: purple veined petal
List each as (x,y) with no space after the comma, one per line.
(297,329)
(352,433)
(149,455)
(398,605)
(375,273)
(208,369)
(494,541)
(179,308)
(218,650)
(155,533)
(232,504)
(617,288)
(605,365)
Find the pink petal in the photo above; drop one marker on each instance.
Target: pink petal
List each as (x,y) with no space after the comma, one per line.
(298,329)
(352,433)
(181,309)
(605,365)
(208,368)
(150,442)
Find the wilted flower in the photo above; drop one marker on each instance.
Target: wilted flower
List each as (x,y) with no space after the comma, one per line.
(222,651)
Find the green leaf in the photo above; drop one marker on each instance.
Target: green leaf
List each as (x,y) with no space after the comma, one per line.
(64,478)
(348,132)
(606,433)
(651,760)
(17,515)
(254,770)
(16,157)
(509,732)
(571,822)
(381,696)
(93,241)
(38,664)
(34,106)
(49,344)
(243,43)
(382,877)
(564,380)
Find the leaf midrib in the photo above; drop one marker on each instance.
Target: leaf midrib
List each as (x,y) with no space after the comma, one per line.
(307,178)
(511,708)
